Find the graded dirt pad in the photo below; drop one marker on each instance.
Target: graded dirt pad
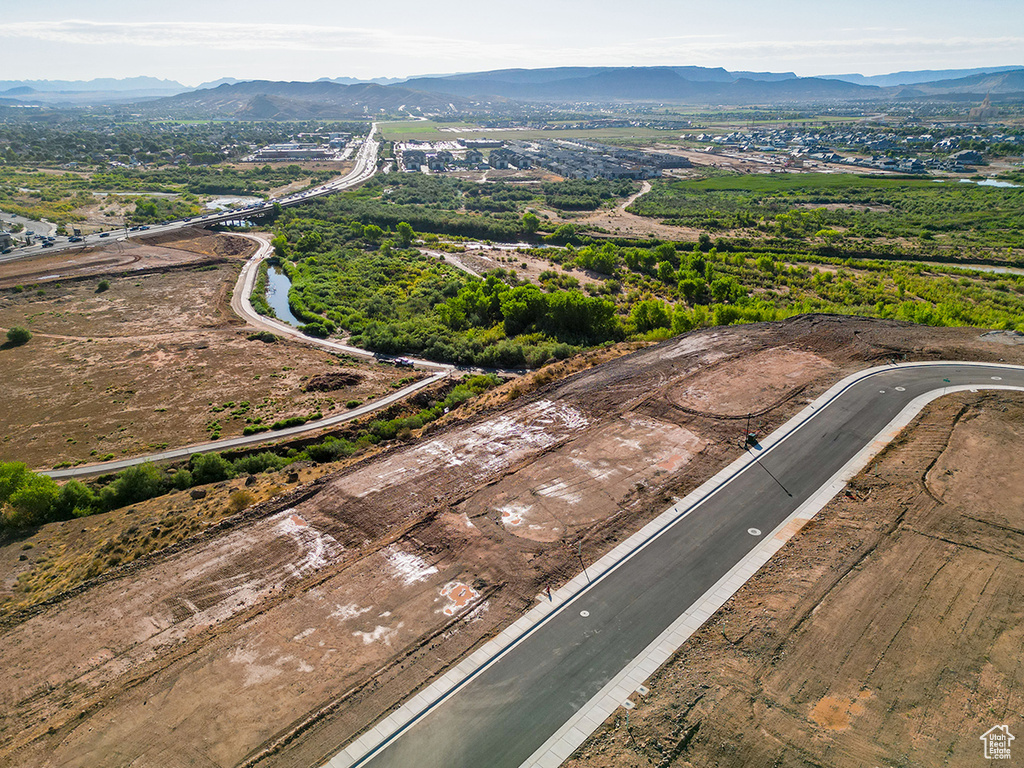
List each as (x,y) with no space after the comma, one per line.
(275,640)
(751,385)
(888,632)
(186,246)
(157,360)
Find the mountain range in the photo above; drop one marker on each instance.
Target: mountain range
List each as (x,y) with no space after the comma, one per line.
(350,97)
(272,100)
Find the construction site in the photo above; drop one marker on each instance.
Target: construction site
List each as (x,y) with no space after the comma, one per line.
(278,633)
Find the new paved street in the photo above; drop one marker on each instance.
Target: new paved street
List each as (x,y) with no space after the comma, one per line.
(516,702)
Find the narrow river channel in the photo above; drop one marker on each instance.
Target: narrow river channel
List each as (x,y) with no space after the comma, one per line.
(277,296)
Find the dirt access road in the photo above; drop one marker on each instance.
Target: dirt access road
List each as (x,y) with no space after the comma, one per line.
(157,360)
(277,637)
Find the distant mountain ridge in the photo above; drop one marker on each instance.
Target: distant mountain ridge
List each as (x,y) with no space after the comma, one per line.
(685,84)
(274,100)
(352,97)
(919,76)
(109,84)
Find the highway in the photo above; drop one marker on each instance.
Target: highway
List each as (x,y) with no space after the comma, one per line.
(501,714)
(365,168)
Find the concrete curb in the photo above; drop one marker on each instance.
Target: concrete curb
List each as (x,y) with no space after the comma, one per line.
(629,682)
(578,728)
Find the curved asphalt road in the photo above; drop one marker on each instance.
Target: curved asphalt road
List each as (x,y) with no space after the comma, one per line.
(514,703)
(365,168)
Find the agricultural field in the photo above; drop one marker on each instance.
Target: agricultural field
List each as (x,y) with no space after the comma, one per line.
(425,130)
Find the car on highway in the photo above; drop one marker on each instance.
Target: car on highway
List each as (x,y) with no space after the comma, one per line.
(403,362)
(6,250)
(75,239)
(48,244)
(104,234)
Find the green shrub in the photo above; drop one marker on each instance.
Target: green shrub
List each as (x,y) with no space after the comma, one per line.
(294,421)
(18,335)
(132,485)
(258,462)
(210,468)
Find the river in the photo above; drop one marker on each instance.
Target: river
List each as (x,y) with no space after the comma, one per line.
(277,296)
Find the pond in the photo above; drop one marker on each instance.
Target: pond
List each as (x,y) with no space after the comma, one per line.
(277,296)
(988,183)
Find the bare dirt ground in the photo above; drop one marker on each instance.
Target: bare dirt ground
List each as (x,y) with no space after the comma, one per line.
(527,266)
(187,247)
(157,360)
(276,635)
(889,632)
(620,222)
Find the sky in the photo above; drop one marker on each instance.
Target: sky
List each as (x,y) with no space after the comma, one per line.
(194,41)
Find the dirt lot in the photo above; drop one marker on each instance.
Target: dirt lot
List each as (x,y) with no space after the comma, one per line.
(157,360)
(276,635)
(190,246)
(827,657)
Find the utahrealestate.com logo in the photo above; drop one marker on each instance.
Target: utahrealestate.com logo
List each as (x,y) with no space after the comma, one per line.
(997,742)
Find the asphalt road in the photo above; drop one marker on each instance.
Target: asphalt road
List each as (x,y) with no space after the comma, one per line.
(504,713)
(365,167)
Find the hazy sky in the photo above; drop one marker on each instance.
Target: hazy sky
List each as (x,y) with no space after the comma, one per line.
(198,40)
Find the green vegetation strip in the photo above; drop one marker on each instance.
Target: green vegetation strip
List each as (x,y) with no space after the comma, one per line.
(28,499)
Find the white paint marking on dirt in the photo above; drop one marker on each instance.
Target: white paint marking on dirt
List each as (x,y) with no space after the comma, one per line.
(687,345)
(304,634)
(459,596)
(262,667)
(380,633)
(595,470)
(559,490)
(513,514)
(408,567)
(349,611)
(320,548)
(484,448)
(477,613)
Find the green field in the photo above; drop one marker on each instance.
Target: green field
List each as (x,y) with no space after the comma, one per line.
(851,212)
(431,131)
